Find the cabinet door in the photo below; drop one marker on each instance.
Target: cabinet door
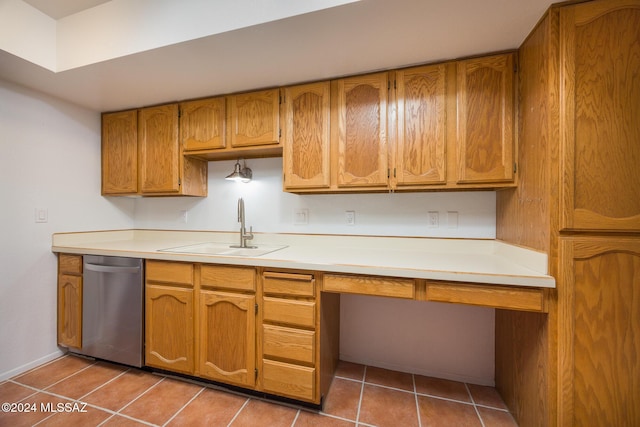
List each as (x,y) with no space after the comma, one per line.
(422,135)
(70,310)
(485,134)
(160,155)
(255,118)
(227,337)
(306,136)
(599,333)
(202,124)
(600,131)
(120,153)
(362,131)
(169,328)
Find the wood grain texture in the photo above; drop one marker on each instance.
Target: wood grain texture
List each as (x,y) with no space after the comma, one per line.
(169,328)
(599,367)
(506,297)
(485,119)
(120,153)
(70,264)
(600,54)
(255,118)
(369,285)
(306,136)
(362,131)
(421,132)
(160,155)
(227,277)
(294,345)
(176,273)
(289,380)
(70,310)
(292,284)
(289,312)
(203,124)
(227,337)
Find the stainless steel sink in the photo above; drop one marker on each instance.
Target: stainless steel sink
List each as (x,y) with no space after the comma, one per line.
(223,249)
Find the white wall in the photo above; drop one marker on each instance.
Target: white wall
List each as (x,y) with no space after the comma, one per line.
(448,341)
(50,159)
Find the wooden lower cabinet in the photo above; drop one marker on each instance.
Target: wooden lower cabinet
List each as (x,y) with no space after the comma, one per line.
(169,316)
(227,337)
(70,300)
(169,328)
(599,308)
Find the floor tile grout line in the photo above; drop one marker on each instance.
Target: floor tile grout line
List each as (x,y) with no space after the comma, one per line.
(475,408)
(364,376)
(64,356)
(184,406)
(295,418)
(246,402)
(60,380)
(49,393)
(415,395)
(34,390)
(105,383)
(140,395)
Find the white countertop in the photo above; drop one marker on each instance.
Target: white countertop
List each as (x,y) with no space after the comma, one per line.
(464,260)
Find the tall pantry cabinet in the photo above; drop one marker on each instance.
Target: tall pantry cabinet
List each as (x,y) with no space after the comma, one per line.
(577,200)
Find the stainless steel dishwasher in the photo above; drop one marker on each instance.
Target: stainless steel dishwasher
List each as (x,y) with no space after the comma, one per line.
(112,309)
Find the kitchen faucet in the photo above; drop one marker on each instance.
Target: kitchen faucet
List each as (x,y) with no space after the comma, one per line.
(243,230)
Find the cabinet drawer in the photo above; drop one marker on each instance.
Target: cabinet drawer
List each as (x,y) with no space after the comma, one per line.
(292,312)
(240,278)
(288,284)
(288,343)
(289,380)
(70,264)
(169,272)
(369,285)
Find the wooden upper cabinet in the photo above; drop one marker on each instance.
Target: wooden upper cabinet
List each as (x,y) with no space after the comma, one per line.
(362,131)
(306,124)
(421,133)
(159,149)
(255,118)
(202,124)
(599,127)
(485,133)
(120,153)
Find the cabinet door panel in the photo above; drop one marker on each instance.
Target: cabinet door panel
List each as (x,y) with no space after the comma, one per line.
(160,157)
(600,333)
(485,119)
(202,124)
(169,328)
(227,337)
(599,127)
(255,118)
(306,136)
(362,131)
(70,310)
(120,153)
(421,156)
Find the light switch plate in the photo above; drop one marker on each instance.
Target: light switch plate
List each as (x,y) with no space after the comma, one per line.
(42,215)
(350,217)
(301,217)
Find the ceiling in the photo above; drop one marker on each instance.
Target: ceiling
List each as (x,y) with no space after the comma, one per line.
(61,8)
(353,38)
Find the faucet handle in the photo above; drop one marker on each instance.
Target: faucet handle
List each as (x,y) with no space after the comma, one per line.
(250,235)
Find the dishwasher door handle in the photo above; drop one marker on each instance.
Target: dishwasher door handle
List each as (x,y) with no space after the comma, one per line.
(111,268)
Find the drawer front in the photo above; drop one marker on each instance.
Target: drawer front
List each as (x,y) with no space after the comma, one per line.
(70,264)
(169,272)
(369,285)
(292,312)
(220,276)
(288,343)
(289,380)
(288,284)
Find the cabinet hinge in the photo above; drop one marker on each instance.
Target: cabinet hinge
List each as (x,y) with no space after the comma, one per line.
(179,182)
(515,167)
(256,308)
(388,85)
(515,67)
(394,172)
(280,133)
(256,373)
(388,173)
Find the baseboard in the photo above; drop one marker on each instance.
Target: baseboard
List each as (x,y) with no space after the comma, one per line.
(412,370)
(24,368)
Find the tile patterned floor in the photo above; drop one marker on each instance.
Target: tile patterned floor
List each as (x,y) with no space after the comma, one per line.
(73,391)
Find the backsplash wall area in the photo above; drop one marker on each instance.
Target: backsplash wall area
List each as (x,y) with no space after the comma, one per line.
(444,340)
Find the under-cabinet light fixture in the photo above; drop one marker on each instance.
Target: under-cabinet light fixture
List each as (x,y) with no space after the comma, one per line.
(240,173)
